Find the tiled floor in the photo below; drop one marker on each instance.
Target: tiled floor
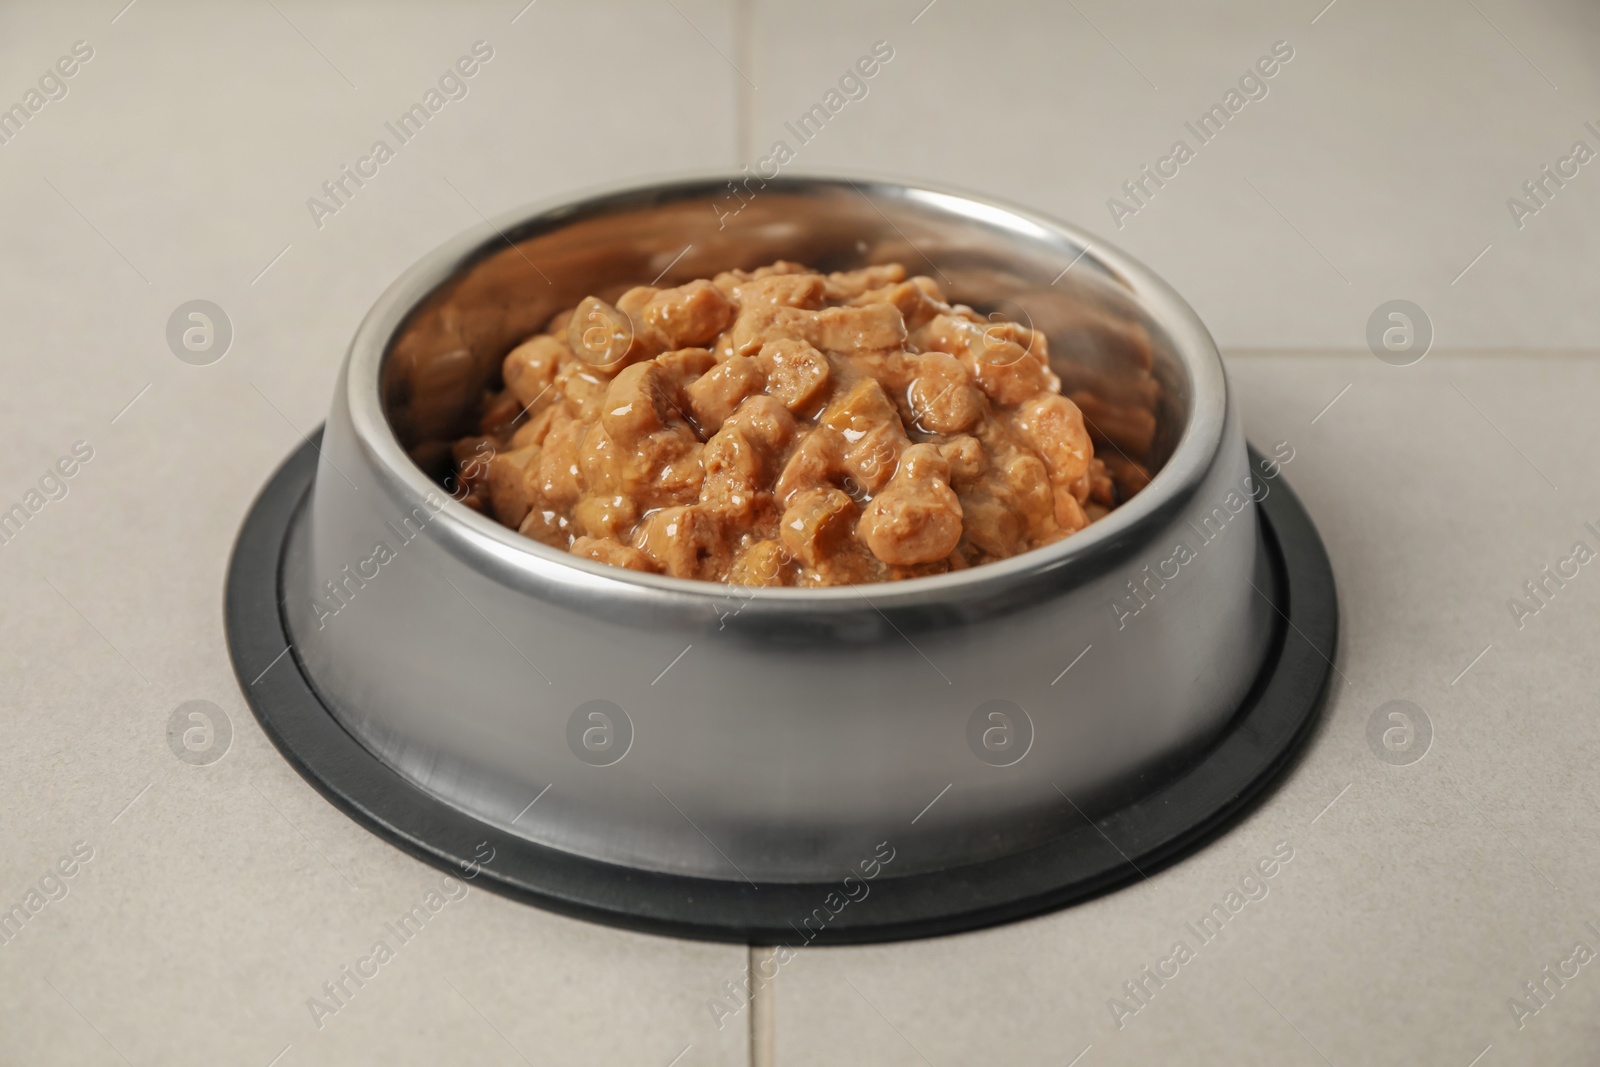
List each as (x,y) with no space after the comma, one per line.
(219,898)
(1376,166)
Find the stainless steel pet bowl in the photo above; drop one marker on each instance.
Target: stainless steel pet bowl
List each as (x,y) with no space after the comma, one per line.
(689,737)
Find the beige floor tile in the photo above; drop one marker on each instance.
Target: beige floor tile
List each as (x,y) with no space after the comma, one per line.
(1377,166)
(178,166)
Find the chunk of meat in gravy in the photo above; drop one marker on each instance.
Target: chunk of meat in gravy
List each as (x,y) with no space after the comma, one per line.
(557,480)
(512,483)
(547,526)
(871,429)
(816,523)
(688,316)
(797,374)
(966,458)
(1053,425)
(607,550)
(861,409)
(733,486)
(1012,383)
(780,290)
(1028,489)
(683,542)
(1005,368)
(763,563)
(530,369)
(753,327)
(582,389)
(605,516)
(917,518)
(602,336)
(916,304)
(641,400)
(766,422)
(741,461)
(655,469)
(687,364)
(990,527)
(1102,490)
(871,460)
(942,398)
(714,395)
(646,322)
(632,303)
(818,460)
(536,429)
(1070,516)
(778,426)
(848,284)
(847,329)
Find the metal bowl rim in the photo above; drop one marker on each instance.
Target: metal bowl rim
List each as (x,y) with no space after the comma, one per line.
(523,562)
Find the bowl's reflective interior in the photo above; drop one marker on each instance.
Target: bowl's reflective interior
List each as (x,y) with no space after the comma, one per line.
(1114,360)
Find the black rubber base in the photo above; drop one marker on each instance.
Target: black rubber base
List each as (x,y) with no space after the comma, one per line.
(1176,815)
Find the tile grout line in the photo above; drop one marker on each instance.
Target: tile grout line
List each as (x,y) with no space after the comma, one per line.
(1491,352)
(763,1007)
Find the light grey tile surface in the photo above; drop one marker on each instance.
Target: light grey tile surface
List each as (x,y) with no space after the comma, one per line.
(226,895)
(1419,902)
(1377,166)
